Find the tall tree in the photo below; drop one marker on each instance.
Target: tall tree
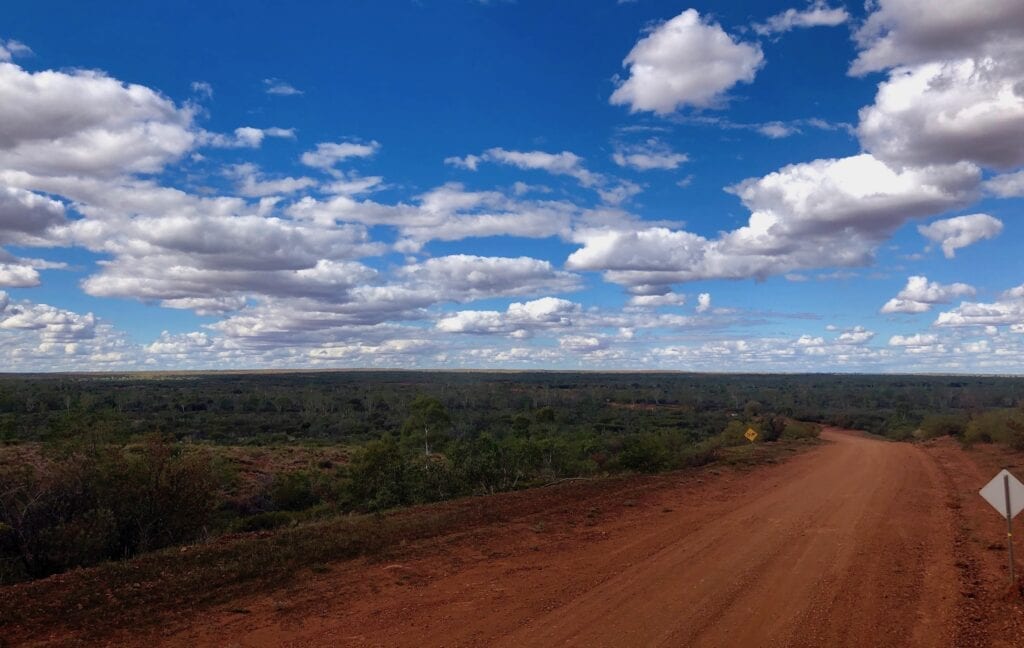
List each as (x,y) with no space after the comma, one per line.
(426,415)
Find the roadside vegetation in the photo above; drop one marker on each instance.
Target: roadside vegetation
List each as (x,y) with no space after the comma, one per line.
(1003,425)
(103,468)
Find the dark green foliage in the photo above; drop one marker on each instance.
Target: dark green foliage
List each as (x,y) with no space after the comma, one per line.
(293,491)
(355,407)
(427,423)
(486,464)
(102,503)
(1015,431)
(733,433)
(545,414)
(431,479)
(644,453)
(998,426)
(752,409)
(796,430)
(937,425)
(380,477)
(772,428)
(699,455)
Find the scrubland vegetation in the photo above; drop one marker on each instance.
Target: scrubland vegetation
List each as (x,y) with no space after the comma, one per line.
(99,468)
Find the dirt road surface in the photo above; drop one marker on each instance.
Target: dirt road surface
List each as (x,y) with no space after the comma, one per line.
(859,542)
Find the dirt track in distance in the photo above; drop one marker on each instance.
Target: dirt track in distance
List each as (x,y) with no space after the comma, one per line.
(858,542)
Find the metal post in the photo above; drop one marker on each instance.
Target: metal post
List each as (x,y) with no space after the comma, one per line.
(1009,527)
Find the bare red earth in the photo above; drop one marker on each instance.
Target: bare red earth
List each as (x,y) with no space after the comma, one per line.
(858,542)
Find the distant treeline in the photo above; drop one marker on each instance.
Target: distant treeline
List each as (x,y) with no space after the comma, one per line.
(353,407)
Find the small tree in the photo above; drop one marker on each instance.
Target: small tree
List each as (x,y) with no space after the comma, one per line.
(378,476)
(426,415)
(773,428)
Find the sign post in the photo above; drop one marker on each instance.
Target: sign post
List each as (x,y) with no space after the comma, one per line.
(751,434)
(1006,494)
(1009,523)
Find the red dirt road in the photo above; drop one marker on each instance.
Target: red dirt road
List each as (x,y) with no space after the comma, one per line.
(837,554)
(856,543)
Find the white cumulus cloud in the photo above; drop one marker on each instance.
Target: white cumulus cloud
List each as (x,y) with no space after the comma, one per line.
(908,32)
(82,122)
(1008,309)
(945,112)
(818,14)
(961,231)
(1007,185)
(919,295)
(816,214)
(685,61)
(915,340)
(544,313)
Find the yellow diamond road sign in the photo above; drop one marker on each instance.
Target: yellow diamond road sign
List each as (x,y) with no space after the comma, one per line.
(751,435)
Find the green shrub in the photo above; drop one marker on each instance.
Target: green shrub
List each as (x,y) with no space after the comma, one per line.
(986,427)
(644,453)
(934,426)
(293,491)
(160,494)
(489,465)
(899,430)
(699,455)
(378,477)
(432,478)
(772,428)
(545,415)
(733,433)
(997,426)
(102,503)
(801,430)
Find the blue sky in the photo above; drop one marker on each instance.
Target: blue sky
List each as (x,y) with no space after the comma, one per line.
(726,186)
